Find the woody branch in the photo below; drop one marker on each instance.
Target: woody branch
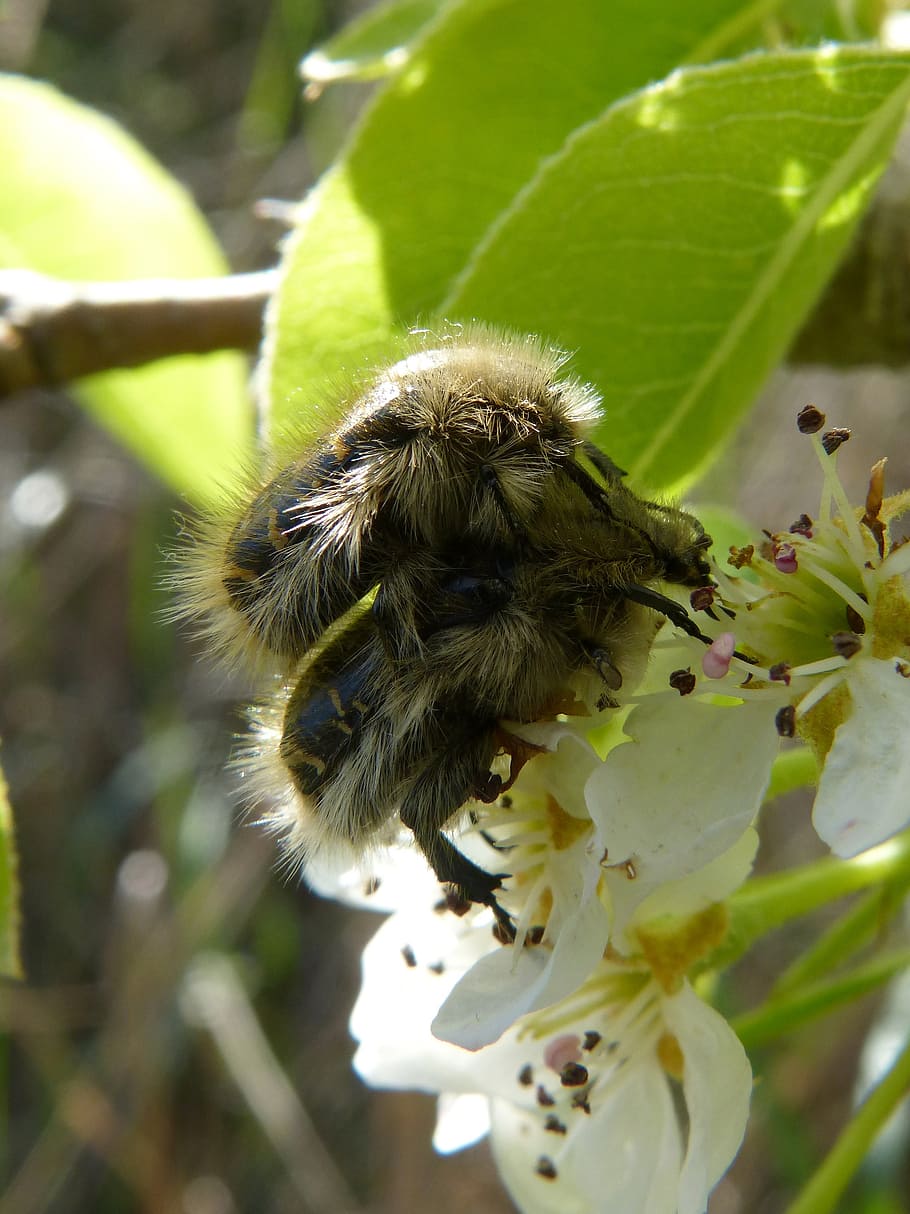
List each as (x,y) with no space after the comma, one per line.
(53,331)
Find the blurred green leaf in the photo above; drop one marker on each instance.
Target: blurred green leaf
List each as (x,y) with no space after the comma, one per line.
(678,242)
(445,148)
(727,528)
(10,962)
(83,201)
(795,768)
(371,46)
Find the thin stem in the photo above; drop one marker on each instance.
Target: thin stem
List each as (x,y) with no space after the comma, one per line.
(765,903)
(822,1192)
(843,938)
(781,1015)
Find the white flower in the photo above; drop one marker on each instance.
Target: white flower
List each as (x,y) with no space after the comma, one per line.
(825,610)
(680,794)
(863,793)
(612,1141)
(591,846)
(582,1100)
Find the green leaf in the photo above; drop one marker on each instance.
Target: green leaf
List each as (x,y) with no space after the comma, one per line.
(726,527)
(372,45)
(10,963)
(83,201)
(443,151)
(678,242)
(793,768)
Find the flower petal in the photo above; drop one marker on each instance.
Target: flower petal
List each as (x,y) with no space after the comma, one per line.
(717,1085)
(461,1120)
(385,881)
(681,793)
(401,990)
(561,773)
(505,985)
(692,894)
(862,795)
(624,1157)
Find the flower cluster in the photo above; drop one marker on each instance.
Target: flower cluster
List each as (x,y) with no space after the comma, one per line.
(829,615)
(584,1049)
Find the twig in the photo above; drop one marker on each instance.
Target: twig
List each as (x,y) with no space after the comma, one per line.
(53,331)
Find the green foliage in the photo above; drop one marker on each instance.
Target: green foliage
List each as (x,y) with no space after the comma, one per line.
(672,236)
(82,200)
(793,768)
(681,239)
(442,153)
(10,963)
(521,166)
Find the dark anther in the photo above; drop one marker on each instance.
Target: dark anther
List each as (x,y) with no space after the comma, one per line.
(809,420)
(535,934)
(785,721)
(780,673)
(683,681)
(592,1040)
(544,1099)
(573,1075)
(802,526)
(526,1075)
(408,954)
(546,1168)
(855,620)
(703,598)
(553,1125)
(834,438)
(846,644)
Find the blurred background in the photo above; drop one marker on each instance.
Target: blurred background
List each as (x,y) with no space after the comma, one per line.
(180,1041)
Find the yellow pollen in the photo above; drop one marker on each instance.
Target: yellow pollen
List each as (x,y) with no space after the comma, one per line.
(818,726)
(670,1056)
(544,906)
(672,946)
(891,621)
(564,829)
